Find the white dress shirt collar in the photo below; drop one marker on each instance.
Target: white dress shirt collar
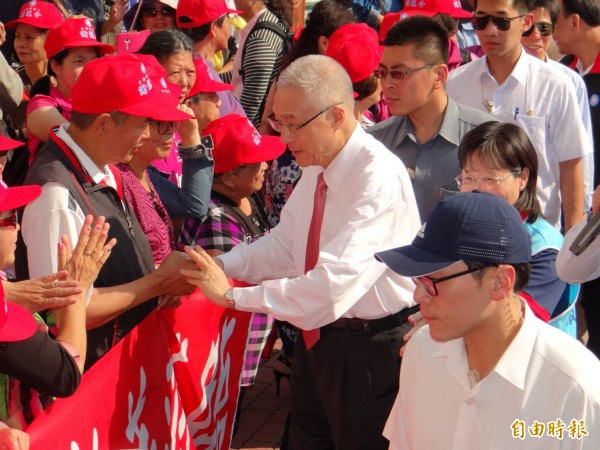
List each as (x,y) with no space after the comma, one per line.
(95,173)
(337,169)
(519,73)
(512,364)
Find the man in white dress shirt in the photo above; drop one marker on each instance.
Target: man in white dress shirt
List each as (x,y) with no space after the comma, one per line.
(343,385)
(485,373)
(516,87)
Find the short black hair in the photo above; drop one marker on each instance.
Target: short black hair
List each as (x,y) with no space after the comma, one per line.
(196,34)
(522,273)
(429,38)
(587,10)
(163,44)
(520,5)
(549,5)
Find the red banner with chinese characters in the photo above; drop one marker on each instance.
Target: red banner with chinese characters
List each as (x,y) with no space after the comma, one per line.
(172,383)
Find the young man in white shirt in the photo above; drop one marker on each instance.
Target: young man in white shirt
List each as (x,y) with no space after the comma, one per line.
(516,87)
(485,373)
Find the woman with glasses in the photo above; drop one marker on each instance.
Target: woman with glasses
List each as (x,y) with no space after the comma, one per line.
(157,202)
(154,15)
(499,158)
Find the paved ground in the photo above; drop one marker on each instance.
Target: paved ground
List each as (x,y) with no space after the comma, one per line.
(263,413)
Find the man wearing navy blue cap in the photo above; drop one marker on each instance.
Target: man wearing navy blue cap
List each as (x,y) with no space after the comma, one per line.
(485,372)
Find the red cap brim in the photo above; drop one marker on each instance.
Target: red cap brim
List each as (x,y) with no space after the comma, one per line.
(14,197)
(9,144)
(270,148)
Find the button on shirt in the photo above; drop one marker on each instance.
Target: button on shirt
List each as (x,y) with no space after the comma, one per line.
(543,375)
(435,163)
(370,206)
(542,101)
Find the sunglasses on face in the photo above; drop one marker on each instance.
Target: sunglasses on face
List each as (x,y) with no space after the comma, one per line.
(501,23)
(544,28)
(153,12)
(8,219)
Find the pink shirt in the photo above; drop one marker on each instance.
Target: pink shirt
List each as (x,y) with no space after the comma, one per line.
(172,163)
(55,99)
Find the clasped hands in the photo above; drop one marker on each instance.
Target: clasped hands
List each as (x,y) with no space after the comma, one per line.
(208,275)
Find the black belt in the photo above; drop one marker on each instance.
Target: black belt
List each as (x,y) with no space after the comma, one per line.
(372,325)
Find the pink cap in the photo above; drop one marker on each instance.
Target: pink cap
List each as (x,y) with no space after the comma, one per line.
(74,33)
(204,82)
(132,84)
(38,14)
(237,142)
(433,7)
(195,13)
(356,47)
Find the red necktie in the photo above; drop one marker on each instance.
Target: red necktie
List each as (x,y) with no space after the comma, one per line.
(312,246)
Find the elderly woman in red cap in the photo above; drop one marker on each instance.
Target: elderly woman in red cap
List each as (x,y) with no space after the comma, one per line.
(69,47)
(356,47)
(236,214)
(31,29)
(156,205)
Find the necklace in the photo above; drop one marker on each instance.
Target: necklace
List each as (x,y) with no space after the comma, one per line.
(487,103)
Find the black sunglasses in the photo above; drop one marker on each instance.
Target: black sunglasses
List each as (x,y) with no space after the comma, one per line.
(502,23)
(544,28)
(153,12)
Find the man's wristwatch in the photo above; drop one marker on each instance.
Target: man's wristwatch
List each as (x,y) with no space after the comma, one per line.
(229,301)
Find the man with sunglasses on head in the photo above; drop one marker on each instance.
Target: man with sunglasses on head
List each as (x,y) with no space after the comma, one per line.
(485,372)
(515,87)
(314,267)
(428,126)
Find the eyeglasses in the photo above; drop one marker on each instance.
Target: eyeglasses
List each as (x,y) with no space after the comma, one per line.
(163,127)
(429,284)
(153,12)
(468,181)
(293,128)
(399,74)
(544,28)
(8,219)
(501,23)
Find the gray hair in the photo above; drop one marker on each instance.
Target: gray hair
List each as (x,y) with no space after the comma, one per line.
(322,79)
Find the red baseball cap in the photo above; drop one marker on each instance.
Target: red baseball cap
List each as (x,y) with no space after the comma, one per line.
(9,144)
(195,13)
(356,47)
(423,8)
(14,197)
(74,33)
(237,142)
(132,84)
(38,14)
(16,323)
(204,82)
